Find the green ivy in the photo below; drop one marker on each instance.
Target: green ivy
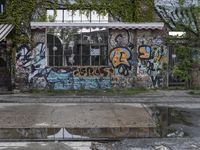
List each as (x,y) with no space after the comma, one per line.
(19,13)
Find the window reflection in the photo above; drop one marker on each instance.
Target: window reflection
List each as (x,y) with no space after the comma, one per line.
(77,47)
(77,16)
(67,15)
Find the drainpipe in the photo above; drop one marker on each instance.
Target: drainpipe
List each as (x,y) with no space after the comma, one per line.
(168,63)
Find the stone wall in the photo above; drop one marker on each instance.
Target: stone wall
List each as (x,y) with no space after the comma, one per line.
(136,58)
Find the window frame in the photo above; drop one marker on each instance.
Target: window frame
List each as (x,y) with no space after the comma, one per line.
(64,57)
(102,57)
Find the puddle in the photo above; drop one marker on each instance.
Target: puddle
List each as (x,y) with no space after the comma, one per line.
(64,134)
(177,122)
(76,133)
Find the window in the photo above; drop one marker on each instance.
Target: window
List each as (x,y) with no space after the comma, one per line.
(75,16)
(178,34)
(2,6)
(77,47)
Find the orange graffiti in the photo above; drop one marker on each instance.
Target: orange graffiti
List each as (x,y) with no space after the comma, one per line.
(144,52)
(120,57)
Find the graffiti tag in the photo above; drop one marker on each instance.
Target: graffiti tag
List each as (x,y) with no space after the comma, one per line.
(119,58)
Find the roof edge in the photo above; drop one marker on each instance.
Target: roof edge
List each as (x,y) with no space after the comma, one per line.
(112,25)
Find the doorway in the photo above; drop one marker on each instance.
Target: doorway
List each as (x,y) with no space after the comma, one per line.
(4,73)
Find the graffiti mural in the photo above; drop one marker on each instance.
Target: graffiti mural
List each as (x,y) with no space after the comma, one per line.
(78,77)
(28,63)
(152,54)
(120,59)
(23,59)
(121,55)
(122,81)
(32,64)
(92,71)
(130,65)
(120,38)
(171,12)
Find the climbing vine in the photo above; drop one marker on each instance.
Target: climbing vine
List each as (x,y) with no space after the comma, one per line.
(184,64)
(21,13)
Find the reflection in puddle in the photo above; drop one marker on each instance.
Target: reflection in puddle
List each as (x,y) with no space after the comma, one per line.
(64,134)
(177,122)
(77,133)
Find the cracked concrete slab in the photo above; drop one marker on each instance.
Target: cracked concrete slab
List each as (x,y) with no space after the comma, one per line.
(75,116)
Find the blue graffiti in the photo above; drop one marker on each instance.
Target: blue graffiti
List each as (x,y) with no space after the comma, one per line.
(42,76)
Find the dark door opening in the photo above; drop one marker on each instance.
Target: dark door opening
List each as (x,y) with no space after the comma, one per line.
(173,60)
(4,73)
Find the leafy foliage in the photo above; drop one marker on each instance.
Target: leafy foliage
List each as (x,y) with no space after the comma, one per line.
(195,11)
(182,68)
(20,13)
(181,15)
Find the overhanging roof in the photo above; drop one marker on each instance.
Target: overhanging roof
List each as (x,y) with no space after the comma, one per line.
(5,30)
(110,25)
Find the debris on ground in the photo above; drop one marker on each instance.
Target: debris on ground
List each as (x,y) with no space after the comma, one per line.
(178,133)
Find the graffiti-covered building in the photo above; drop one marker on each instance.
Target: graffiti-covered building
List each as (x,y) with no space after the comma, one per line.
(81,52)
(82,49)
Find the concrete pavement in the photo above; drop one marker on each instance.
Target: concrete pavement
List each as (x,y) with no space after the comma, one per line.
(75,116)
(46,146)
(75,111)
(152,97)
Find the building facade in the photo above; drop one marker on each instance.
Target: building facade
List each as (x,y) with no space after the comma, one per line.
(79,51)
(93,56)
